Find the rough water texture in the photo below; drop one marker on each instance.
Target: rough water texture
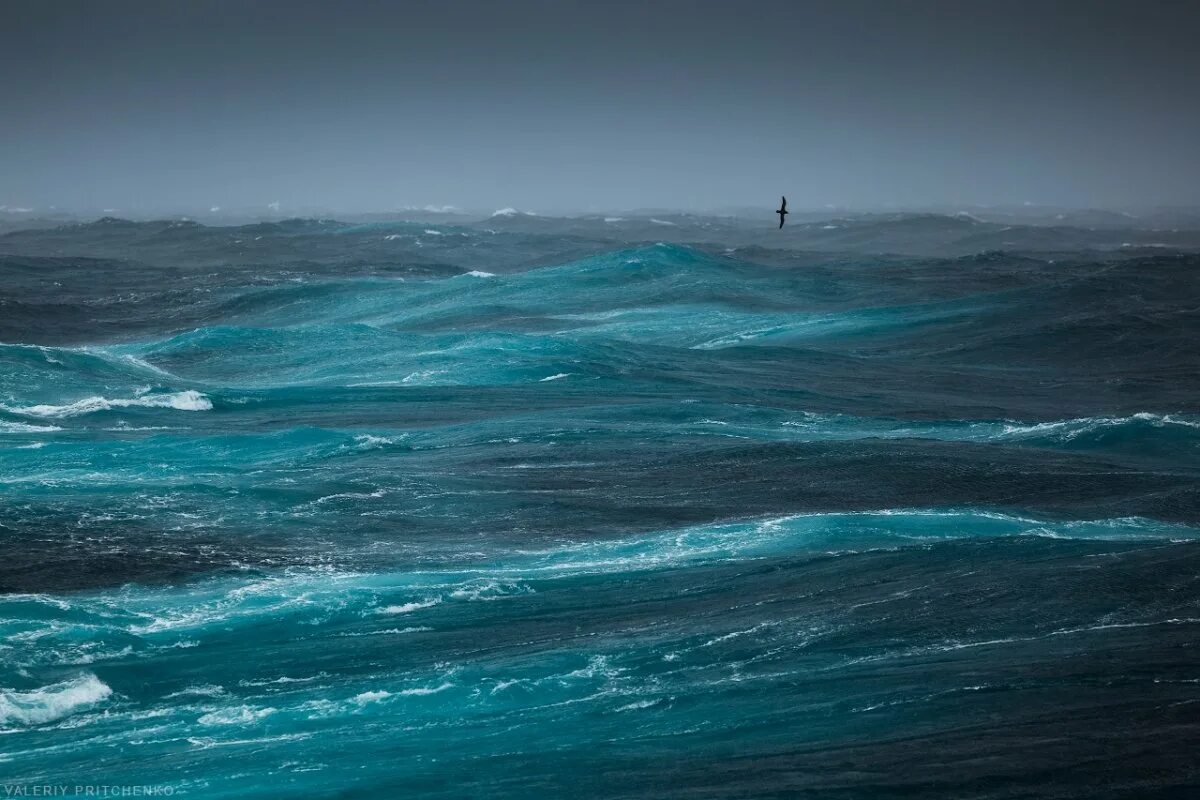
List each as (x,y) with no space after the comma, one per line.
(535,507)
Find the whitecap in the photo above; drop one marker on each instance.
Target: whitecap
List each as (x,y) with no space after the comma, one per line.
(284,679)
(367,441)
(490,590)
(21,427)
(238,715)
(420,375)
(351,496)
(52,702)
(202,690)
(1070,429)
(370,697)
(188,400)
(422,691)
(389,631)
(637,706)
(408,608)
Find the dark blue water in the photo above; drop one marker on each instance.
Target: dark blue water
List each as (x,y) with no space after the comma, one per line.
(544,514)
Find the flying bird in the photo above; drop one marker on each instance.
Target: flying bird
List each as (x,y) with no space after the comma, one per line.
(782,212)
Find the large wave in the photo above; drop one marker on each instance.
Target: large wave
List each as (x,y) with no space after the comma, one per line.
(414,501)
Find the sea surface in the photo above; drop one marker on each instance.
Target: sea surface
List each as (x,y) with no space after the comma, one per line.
(660,507)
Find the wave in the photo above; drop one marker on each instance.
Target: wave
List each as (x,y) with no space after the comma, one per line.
(408,608)
(22,427)
(321,595)
(1073,428)
(500,494)
(53,702)
(188,400)
(341,464)
(623,311)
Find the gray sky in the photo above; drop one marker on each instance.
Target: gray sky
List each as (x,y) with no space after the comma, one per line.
(553,106)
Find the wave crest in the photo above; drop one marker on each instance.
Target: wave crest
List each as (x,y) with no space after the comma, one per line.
(53,702)
(188,400)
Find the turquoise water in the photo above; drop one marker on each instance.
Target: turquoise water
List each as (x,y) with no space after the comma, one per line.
(663,521)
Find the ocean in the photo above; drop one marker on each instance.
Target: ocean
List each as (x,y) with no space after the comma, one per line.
(664,506)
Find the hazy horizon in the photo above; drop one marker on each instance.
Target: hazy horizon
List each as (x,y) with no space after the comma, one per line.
(219,215)
(572,107)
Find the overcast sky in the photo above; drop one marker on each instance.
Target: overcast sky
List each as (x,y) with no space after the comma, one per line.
(553,106)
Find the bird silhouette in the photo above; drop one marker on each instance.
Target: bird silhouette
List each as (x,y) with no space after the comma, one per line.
(782,212)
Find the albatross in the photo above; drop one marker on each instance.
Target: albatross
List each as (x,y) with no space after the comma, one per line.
(782,212)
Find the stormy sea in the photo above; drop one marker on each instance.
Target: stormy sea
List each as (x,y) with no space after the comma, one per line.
(644,506)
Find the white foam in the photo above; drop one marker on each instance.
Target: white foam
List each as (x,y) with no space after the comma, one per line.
(422,691)
(408,608)
(140,363)
(432,232)
(189,400)
(1167,419)
(207,742)
(661,222)
(389,631)
(478,273)
(124,427)
(239,715)
(367,441)
(420,375)
(52,702)
(21,427)
(556,377)
(370,697)
(505,212)
(1071,428)
(202,690)
(490,590)
(637,706)
(351,496)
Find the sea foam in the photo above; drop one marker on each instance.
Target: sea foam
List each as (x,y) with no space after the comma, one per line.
(53,702)
(188,400)
(21,427)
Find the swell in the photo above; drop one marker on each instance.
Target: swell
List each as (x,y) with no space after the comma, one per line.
(355,600)
(106,501)
(778,527)
(715,327)
(808,638)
